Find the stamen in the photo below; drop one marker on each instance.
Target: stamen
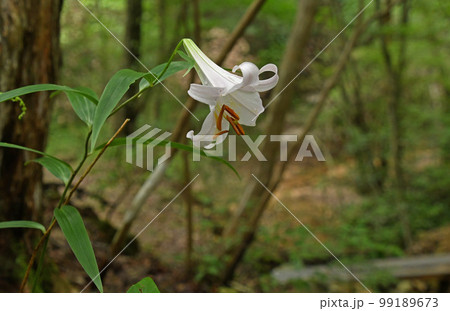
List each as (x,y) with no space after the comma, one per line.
(241,130)
(236,126)
(219,118)
(220,133)
(231,112)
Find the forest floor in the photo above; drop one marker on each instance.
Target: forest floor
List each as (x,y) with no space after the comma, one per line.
(314,193)
(166,237)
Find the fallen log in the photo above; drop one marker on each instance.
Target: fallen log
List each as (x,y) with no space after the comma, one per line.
(402,268)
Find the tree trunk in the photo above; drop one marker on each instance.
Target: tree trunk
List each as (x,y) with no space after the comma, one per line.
(133,43)
(29,54)
(370,177)
(162,56)
(395,74)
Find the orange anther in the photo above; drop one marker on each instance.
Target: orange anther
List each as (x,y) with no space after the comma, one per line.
(241,130)
(219,118)
(236,126)
(231,112)
(220,133)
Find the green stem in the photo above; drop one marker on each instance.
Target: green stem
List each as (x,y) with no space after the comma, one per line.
(40,264)
(169,61)
(77,169)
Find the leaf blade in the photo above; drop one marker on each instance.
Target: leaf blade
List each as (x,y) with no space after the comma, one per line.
(146,285)
(119,84)
(22,224)
(173,68)
(41,88)
(82,105)
(57,167)
(72,226)
(116,88)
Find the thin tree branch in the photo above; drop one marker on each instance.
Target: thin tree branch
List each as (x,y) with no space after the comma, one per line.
(246,20)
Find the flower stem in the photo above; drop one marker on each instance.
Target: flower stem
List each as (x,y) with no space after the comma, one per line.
(169,61)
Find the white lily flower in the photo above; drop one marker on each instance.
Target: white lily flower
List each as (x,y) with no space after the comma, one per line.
(232,99)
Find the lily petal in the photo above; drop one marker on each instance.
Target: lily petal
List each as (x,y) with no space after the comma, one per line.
(248,105)
(250,74)
(267,84)
(209,73)
(206,137)
(205,94)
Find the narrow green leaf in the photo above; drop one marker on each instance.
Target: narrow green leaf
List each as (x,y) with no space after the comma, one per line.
(114,91)
(143,84)
(186,57)
(146,285)
(72,226)
(120,141)
(22,224)
(119,85)
(60,169)
(40,88)
(57,167)
(173,68)
(189,60)
(83,106)
(90,93)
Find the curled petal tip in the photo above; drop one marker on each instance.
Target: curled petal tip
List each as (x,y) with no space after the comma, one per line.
(190,134)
